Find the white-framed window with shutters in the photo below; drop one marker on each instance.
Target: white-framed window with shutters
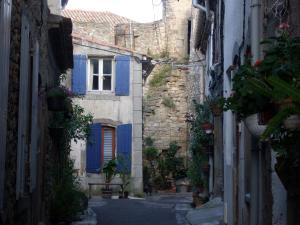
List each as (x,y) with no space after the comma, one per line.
(5,23)
(101,74)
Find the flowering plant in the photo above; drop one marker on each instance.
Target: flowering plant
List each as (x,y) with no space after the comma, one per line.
(253,86)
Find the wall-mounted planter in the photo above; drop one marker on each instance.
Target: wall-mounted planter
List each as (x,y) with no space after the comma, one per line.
(252,123)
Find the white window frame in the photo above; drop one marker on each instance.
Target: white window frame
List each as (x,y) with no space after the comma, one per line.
(100,75)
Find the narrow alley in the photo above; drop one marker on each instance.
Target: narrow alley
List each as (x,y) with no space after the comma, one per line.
(149,112)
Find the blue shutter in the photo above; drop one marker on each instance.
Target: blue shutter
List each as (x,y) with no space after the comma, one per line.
(124,143)
(122,75)
(79,75)
(93,152)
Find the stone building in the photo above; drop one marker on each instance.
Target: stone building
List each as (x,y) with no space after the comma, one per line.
(109,81)
(167,42)
(29,66)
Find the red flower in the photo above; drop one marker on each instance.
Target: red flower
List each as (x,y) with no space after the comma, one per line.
(257,63)
(283,26)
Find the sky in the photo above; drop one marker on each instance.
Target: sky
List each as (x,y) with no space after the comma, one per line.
(137,10)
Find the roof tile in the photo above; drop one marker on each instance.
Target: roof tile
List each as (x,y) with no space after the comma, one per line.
(95,17)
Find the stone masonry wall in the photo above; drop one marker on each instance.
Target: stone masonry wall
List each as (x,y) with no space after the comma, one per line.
(30,209)
(164,110)
(162,123)
(99,30)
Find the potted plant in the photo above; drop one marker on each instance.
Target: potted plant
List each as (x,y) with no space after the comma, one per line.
(109,171)
(124,168)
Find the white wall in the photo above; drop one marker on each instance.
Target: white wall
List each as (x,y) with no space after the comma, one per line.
(118,110)
(233,33)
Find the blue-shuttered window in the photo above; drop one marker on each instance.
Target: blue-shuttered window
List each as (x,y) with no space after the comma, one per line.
(124,143)
(93,152)
(79,74)
(122,75)
(101,74)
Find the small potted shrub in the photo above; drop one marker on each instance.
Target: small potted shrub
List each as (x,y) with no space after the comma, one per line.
(109,171)
(124,168)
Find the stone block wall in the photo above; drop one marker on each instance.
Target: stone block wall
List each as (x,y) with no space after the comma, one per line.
(165,122)
(31,208)
(101,31)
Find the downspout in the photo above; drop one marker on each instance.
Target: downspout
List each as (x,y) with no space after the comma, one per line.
(255,153)
(255,29)
(205,8)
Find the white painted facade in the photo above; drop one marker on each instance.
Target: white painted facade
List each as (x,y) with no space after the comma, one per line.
(112,110)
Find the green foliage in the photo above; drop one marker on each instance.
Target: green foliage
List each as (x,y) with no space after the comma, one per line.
(150,153)
(168,102)
(109,170)
(172,164)
(194,172)
(160,168)
(123,168)
(159,77)
(199,142)
(245,100)
(275,79)
(149,141)
(67,199)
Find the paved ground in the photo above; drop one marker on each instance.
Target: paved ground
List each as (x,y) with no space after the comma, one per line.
(163,209)
(151,211)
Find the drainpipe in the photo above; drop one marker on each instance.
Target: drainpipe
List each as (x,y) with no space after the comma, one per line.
(255,29)
(255,203)
(205,8)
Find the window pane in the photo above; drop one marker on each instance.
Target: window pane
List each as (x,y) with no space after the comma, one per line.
(95,66)
(95,83)
(107,83)
(107,66)
(107,145)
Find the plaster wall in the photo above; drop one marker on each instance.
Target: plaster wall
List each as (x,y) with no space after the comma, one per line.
(233,33)
(279,197)
(111,109)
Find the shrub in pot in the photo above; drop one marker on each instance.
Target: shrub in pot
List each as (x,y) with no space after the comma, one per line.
(109,171)
(124,169)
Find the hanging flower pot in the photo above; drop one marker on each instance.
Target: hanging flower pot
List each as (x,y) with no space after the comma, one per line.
(252,123)
(207,127)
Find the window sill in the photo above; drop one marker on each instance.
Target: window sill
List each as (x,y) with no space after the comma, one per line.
(101,95)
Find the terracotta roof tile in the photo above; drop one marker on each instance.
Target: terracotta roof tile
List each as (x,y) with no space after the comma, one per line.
(95,17)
